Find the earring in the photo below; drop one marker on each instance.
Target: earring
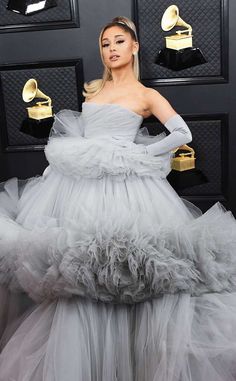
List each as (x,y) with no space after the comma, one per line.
(134,53)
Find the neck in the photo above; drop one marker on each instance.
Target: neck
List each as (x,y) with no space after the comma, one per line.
(121,77)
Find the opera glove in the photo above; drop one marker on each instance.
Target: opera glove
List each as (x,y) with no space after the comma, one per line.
(179,134)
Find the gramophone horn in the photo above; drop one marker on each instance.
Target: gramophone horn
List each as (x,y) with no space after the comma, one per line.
(31,91)
(171,18)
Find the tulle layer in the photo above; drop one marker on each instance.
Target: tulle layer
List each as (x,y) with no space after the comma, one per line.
(176,337)
(95,158)
(114,253)
(72,154)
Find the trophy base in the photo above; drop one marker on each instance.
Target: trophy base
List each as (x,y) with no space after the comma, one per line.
(37,128)
(180,59)
(29,7)
(186,179)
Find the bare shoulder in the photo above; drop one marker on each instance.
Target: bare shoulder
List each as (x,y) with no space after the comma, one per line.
(152,95)
(158,105)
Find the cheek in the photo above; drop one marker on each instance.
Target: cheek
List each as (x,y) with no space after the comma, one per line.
(127,53)
(128,49)
(105,54)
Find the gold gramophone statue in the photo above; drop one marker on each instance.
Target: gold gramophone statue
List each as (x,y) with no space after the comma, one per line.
(40,116)
(41,110)
(184,161)
(184,174)
(179,53)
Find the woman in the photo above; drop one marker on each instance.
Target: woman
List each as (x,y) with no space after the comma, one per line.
(129,281)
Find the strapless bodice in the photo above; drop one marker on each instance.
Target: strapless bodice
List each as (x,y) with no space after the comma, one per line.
(110,120)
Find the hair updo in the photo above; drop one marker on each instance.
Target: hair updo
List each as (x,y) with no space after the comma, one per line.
(123,22)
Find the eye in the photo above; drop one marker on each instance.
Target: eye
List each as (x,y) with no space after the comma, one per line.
(117,42)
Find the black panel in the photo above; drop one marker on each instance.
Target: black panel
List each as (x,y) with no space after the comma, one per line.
(62,81)
(64,15)
(209,21)
(210,142)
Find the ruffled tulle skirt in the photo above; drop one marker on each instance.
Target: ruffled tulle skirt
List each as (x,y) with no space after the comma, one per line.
(108,280)
(115,241)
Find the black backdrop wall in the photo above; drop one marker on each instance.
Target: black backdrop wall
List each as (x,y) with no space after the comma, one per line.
(209,106)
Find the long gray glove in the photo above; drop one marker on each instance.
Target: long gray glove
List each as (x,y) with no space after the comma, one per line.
(180,134)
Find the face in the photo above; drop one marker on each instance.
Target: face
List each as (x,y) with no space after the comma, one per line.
(117,47)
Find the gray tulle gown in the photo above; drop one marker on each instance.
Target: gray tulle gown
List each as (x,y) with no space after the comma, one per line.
(106,273)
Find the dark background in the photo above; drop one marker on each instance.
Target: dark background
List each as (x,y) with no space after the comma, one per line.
(192,101)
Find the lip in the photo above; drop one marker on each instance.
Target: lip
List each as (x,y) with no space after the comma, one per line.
(114,57)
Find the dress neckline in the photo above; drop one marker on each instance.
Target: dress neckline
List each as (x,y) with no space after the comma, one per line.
(114,104)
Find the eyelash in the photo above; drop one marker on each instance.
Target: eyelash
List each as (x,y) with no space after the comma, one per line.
(119,41)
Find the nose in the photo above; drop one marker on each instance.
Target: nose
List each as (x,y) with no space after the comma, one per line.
(112,46)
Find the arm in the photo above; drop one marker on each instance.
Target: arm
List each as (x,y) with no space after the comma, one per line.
(179,131)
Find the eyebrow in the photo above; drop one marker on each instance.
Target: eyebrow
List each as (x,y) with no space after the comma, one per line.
(117,35)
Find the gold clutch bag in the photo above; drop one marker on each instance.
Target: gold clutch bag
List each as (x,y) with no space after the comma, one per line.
(184,161)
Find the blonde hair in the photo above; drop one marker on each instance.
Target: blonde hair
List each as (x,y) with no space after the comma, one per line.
(95,86)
